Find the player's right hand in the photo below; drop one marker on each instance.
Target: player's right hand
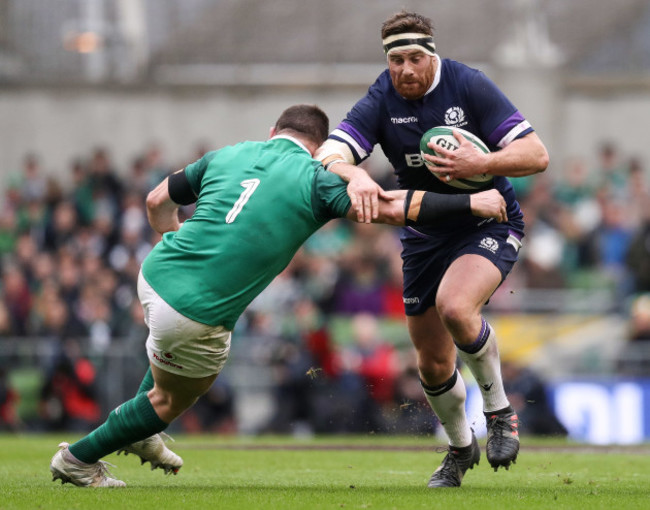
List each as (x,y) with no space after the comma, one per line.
(489,204)
(364,194)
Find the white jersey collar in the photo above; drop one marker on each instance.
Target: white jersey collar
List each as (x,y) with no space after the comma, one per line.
(436,78)
(294,140)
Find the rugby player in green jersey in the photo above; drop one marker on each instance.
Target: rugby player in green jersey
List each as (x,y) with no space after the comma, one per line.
(256,204)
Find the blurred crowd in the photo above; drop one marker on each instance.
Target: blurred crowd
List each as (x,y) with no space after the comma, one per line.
(589,226)
(71,245)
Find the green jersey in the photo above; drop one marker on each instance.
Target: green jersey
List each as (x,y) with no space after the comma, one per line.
(258,202)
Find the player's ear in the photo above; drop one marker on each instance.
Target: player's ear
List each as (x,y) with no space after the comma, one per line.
(272,132)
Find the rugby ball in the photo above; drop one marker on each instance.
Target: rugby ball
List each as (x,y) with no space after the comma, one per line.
(444,136)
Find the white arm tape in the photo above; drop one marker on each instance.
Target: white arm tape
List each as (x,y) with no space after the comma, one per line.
(332,150)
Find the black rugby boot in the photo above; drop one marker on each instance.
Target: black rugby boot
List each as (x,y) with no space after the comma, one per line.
(502,438)
(455,464)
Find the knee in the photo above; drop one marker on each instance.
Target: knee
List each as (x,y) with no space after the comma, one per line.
(170,405)
(435,369)
(453,312)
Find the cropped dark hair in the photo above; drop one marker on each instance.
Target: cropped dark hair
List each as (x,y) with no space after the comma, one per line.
(405,21)
(306,120)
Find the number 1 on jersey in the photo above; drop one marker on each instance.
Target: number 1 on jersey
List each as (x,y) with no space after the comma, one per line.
(249,185)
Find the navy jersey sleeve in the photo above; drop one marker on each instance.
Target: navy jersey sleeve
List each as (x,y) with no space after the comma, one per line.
(361,127)
(499,120)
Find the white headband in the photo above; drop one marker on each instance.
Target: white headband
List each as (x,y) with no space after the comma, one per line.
(409,41)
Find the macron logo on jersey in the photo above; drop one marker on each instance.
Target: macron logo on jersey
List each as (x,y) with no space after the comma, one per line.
(403,120)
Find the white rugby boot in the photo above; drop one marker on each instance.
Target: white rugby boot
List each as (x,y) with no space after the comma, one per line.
(153,450)
(65,467)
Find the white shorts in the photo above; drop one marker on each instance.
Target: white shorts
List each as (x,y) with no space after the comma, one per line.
(180,345)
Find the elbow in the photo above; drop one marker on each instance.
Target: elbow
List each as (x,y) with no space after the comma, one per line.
(152,202)
(543,162)
(153,211)
(542,159)
(535,152)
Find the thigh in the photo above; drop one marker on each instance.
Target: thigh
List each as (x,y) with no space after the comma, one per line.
(479,265)
(465,288)
(468,282)
(424,260)
(178,344)
(427,260)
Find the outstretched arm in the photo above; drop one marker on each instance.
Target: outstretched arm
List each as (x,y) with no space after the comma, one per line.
(363,191)
(425,207)
(365,194)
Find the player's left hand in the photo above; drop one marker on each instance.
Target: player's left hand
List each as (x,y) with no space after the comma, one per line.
(461,163)
(489,204)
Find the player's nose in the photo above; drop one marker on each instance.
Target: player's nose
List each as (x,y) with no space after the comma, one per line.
(408,69)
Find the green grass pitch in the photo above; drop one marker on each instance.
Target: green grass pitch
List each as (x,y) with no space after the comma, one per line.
(332,473)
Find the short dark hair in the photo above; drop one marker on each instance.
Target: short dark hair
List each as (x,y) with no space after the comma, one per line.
(405,21)
(306,120)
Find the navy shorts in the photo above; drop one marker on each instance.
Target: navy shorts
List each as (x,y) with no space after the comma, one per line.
(425,258)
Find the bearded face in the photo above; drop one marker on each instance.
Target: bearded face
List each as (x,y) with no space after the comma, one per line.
(412,72)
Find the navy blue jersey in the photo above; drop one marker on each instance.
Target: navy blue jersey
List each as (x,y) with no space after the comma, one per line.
(459,97)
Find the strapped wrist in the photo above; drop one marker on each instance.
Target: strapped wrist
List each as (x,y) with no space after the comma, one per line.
(333,161)
(425,207)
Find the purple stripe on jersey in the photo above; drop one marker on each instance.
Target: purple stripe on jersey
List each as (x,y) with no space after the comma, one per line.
(516,235)
(355,154)
(417,233)
(505,127)
(358,137)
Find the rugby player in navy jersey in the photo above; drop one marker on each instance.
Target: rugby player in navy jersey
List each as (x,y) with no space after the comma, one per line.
(451,268)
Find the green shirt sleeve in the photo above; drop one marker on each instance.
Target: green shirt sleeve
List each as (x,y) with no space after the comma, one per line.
(329,195)
(194,171)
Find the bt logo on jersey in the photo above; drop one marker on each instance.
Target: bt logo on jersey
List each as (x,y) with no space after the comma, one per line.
(414,160)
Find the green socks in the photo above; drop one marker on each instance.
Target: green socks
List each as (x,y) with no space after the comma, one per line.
(132,421)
